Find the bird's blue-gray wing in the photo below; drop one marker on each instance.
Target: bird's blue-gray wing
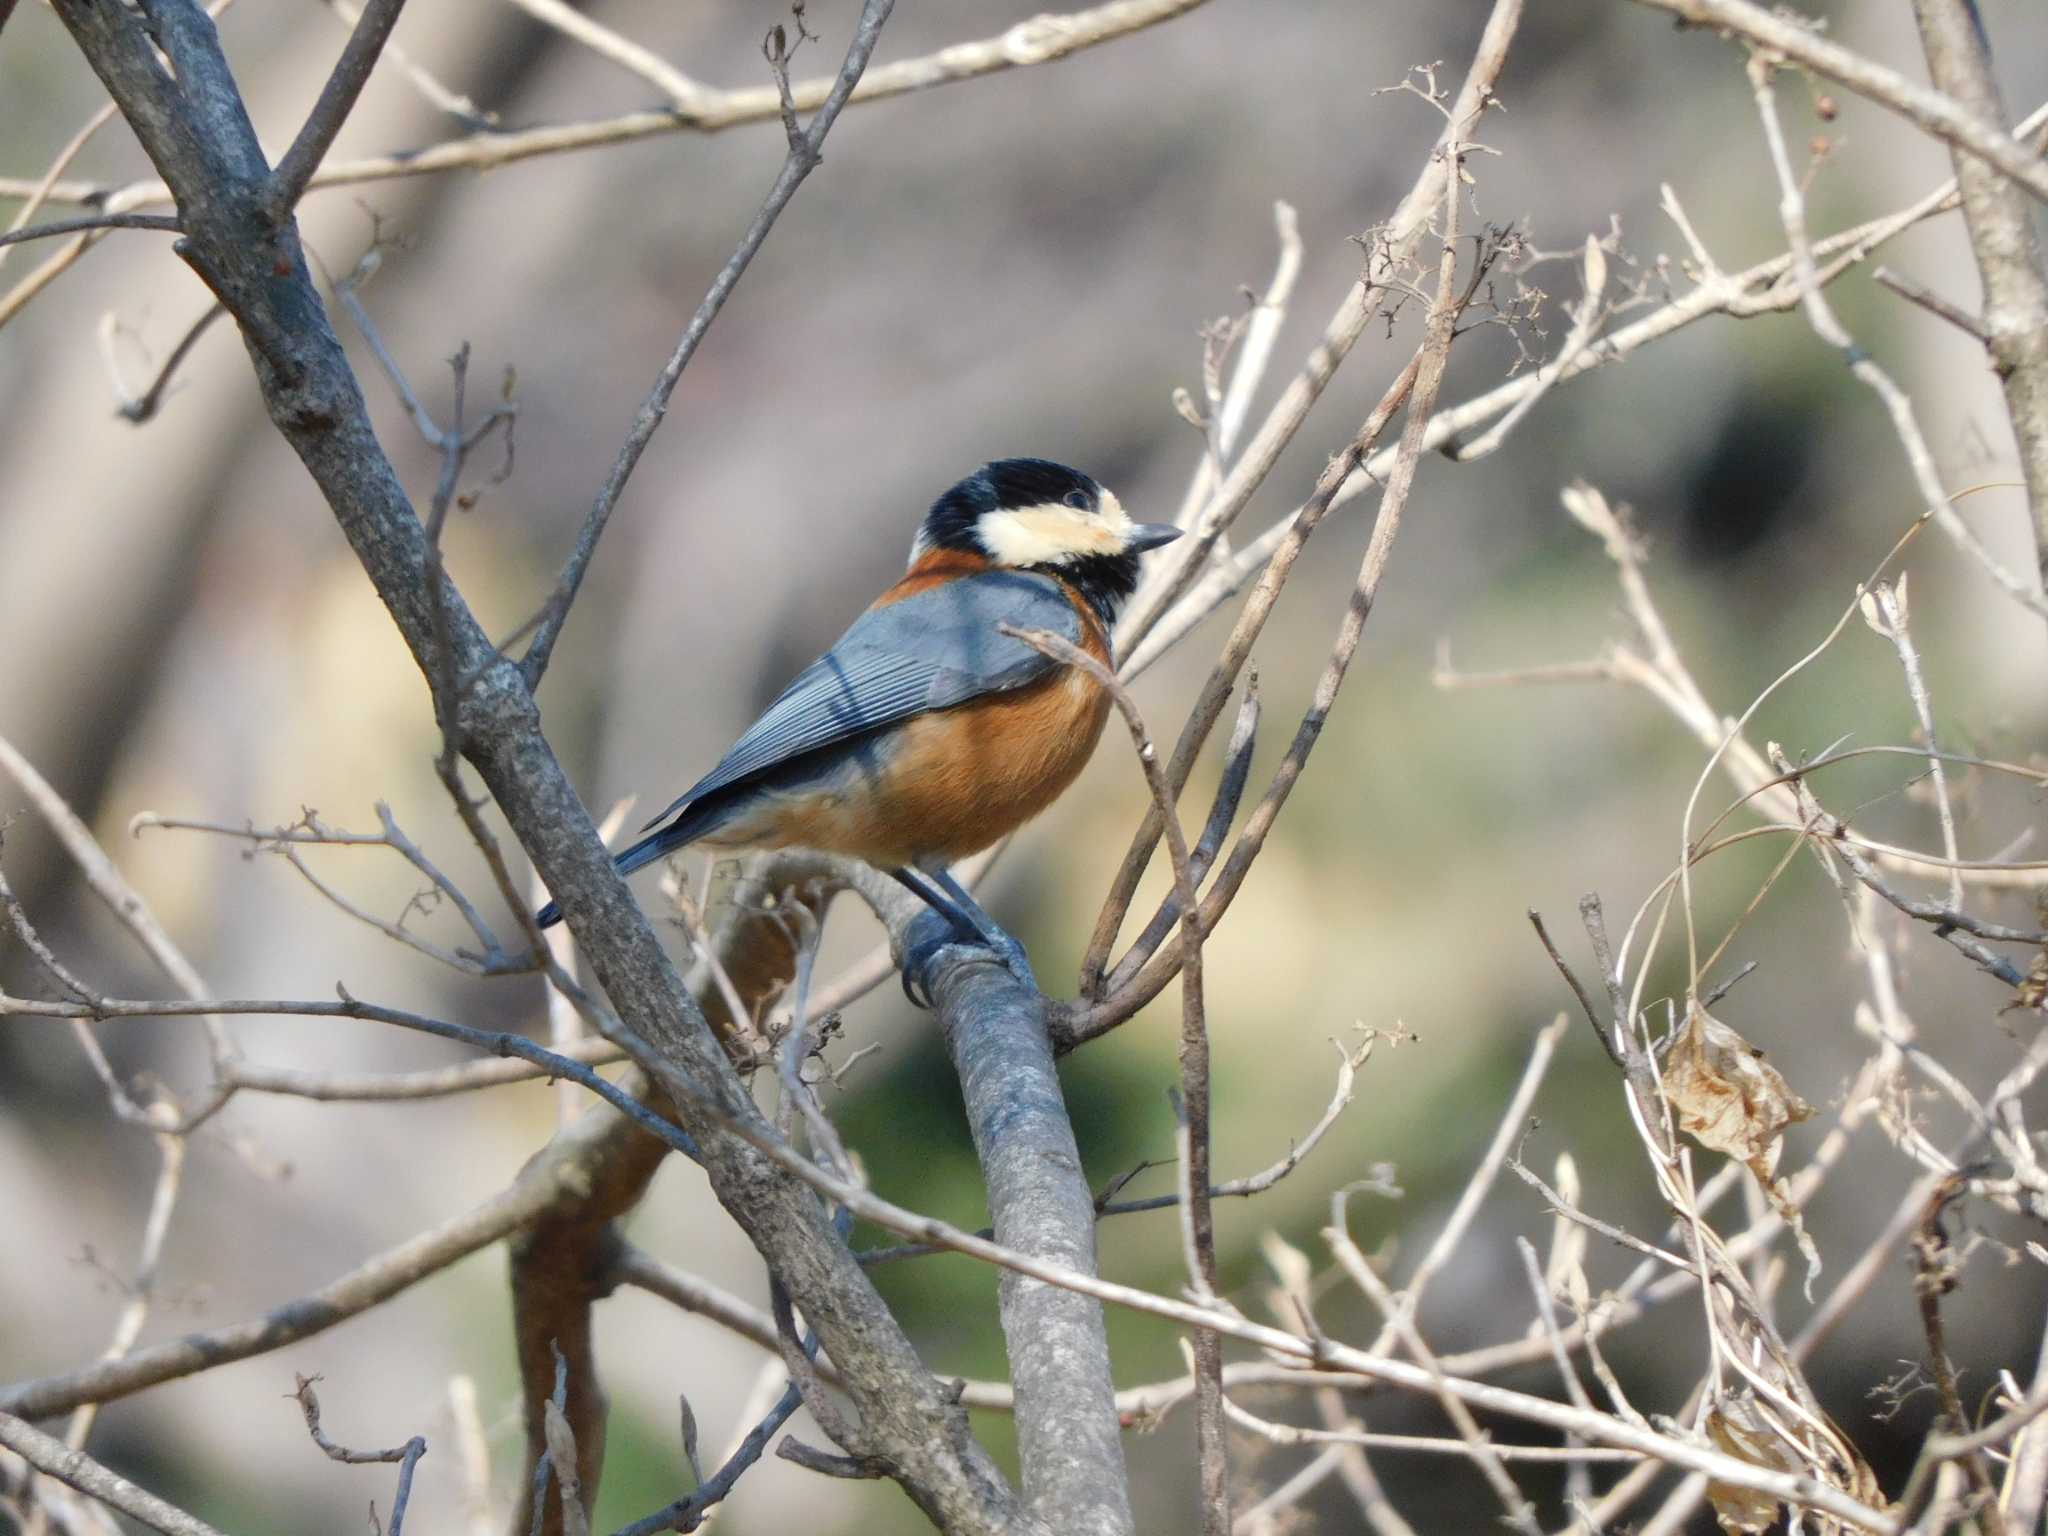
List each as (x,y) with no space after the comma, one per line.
(932,650)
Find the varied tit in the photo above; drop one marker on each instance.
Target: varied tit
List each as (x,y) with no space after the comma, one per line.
(926,734)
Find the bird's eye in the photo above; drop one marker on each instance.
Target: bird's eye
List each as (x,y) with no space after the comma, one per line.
(1078,500)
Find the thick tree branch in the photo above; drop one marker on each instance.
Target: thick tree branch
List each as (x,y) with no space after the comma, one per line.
(198,134)
(1069,1432)
(1198,1221)
(2002,235)
(566,1262)
(1068,1439)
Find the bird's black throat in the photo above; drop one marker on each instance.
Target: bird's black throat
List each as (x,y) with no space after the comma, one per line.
(1105,582)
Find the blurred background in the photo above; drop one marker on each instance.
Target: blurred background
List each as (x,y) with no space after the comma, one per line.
(1015,265)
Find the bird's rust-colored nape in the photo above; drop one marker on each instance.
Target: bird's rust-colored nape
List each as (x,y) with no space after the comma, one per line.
(933,567)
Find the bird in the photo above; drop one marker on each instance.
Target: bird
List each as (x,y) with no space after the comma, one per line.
(926,733)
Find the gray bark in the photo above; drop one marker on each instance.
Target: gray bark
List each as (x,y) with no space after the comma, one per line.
(2000,221)
(1068,1436)
(197,132)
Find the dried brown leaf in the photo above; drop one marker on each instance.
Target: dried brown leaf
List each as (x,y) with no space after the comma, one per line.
(1730,1100)
(1736,1426)
(1739,1425)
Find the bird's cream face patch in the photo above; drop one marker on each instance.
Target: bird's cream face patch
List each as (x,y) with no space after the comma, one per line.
(1053,533)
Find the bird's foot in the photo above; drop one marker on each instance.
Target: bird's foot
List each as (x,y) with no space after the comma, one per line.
(1007,949)
(932,932)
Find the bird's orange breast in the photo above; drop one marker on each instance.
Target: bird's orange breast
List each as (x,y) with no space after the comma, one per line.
(962,778)
(952,782)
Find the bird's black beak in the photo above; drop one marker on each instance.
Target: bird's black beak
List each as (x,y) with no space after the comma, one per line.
(1144,536)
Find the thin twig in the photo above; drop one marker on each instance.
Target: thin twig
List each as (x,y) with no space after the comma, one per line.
(1041,40)
(1935,111)
(683,93)
(1890,602)
(1230,786)
(1586,316)
(170,1184)
(35,195)
(1091,1018)
(437,95)
(166,222)
(1578,990)
(1591,1223)
(1390,253)
(316,135)
(1920,294)
(1399,1316)
(144,407)
(805,152)
(1512,1122)
(133,913)
(1434,1445)
(407,1455)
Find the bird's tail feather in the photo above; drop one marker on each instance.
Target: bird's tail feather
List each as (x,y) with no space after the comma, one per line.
(681,832)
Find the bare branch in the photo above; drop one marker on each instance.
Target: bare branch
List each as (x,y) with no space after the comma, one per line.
(1069,1441)
(1919,293)
(134,914)
(682,92)
(1325,1354)
(1586,317)
(1820,313)
(91,222)
(2002,235)
(548,1180)
(811,1459)
(80,1471)
(199,137)
(431,90)
(805,153)
(1520,1513)
(407,1455)
(1192,1108)
(1041,40)
(1230,787)
(34,195)
(143,407)
(1391,251)
(1937,112)
(337,99)
(1512,1121)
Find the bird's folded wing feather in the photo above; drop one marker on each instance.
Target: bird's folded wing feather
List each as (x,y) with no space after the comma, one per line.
(932,650)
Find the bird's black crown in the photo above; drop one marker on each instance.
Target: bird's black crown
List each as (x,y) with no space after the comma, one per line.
(1006,485)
